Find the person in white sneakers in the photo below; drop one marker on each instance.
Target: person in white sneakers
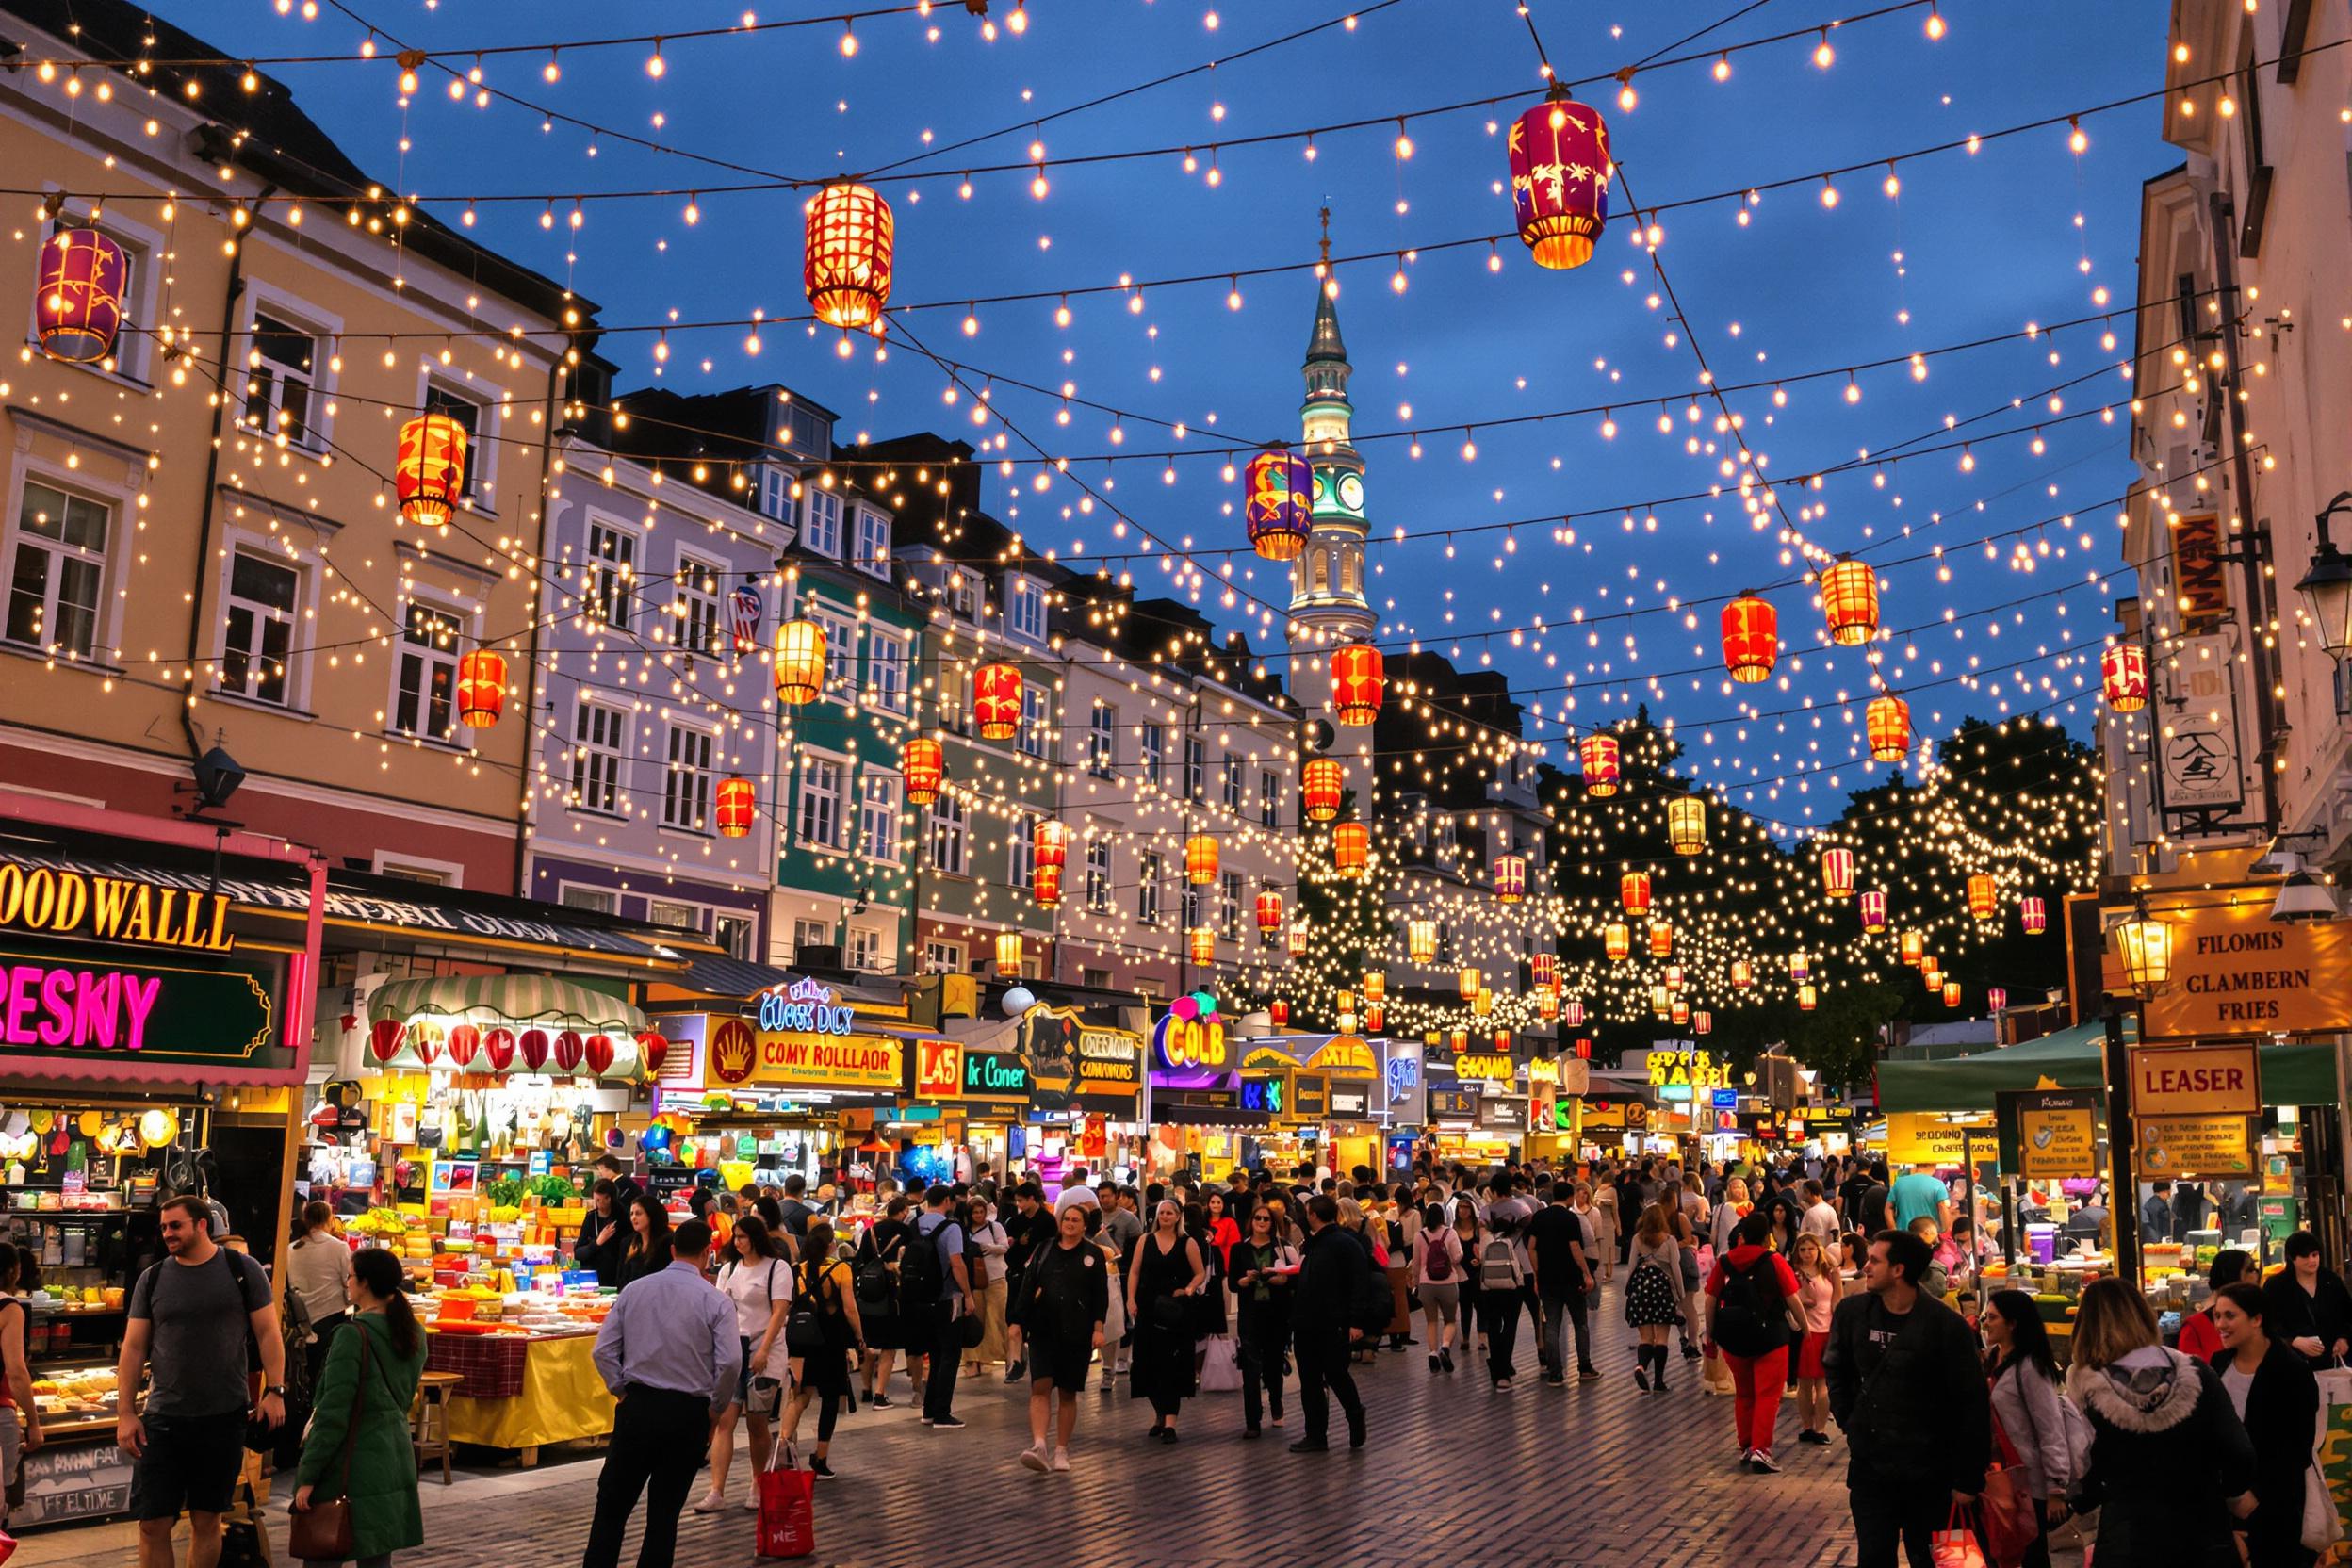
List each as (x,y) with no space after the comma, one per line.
(1063,1295)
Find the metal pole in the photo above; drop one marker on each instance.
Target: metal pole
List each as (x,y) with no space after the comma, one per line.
(2123,1209)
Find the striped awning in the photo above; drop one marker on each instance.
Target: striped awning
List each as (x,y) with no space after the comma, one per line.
(543,1012)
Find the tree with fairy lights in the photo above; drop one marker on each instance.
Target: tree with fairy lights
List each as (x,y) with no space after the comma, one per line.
(1339,930)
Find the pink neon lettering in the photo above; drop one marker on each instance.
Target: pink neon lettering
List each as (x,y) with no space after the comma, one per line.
(79,1009)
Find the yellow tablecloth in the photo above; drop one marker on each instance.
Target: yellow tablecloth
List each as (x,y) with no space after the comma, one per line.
(562,1398)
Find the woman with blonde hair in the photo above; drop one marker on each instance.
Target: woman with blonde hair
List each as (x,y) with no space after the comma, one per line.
(1817,1291)
(1605,1219)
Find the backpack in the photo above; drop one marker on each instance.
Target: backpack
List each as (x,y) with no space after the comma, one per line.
(808,1326)
(1498,1264)
(1749,1319)
(1437,1263)
(876,1283)
(921,1275)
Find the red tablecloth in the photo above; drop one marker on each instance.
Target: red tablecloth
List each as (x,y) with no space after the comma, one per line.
(492,1365)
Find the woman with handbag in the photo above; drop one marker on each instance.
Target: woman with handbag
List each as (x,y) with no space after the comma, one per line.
(822,1328)
(2029,1420)
(757,1263)
(2278,1398)
(355,1493)
(1165,1275)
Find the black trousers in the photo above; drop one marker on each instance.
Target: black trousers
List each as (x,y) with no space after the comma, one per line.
(1323,1365)
(1891,1508)
(947,1350)
(659,1438)
(1498,1319)
(1559,1313)
(1262,1341)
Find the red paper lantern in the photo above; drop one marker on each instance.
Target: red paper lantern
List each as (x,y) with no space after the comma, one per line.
(429,470)
(1510,878)
(534,1048)
(1358,684)
(383,1038)
(1996,998)
(1278,505)
(1702,1021)
(1633,892)
(1560,176)
(1584,1053)
(77,311)
(1351,849)
(653,1049)
(1952,993)
(1984,897)
(846,267)
(996,701)
(1200,860)
(1544,968)
(1662,940)
(1837,872)
(465,1045)
(1052,843)
(1751,639)
(497,1049)
(1874,911)
(923,765)
(481,689)
(1269,912)
(2033,914)
(1279,1011)
(1850,601)
(2123,677)
(1887,722)
(569,1049)
(1321,783)
(1616,940)
(1572,1013)
(1374,1017)
(1679,1011)
(1045,886)
(1599,754)
(738,803)
(600,1054)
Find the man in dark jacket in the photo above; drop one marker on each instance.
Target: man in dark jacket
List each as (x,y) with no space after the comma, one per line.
(1033,1228)
(1908,1391)
(1329,1265)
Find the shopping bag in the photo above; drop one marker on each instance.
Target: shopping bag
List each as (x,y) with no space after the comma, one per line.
(7,1546)
(1956,1546)
(2323,1521)
(2011,1514)
(1221,1372)
(787,1513)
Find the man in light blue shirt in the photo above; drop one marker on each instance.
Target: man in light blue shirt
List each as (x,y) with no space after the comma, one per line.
(670,1354)
(1921,1194)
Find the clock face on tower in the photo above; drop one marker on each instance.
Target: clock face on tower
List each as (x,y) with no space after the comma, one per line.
(1322,487)
(1352,493)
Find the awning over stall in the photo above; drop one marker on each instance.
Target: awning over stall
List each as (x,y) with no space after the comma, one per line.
(2072,1059)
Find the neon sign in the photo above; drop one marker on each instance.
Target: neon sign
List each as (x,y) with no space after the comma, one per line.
(805,1007)
(1189,1045)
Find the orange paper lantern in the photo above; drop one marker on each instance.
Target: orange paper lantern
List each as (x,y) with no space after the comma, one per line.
(996,701)
(1351,849)
(1850,601)
(429,470)
(846,267)
(1751,639)
(1742,974)
(1617,941)
(1358,684)
(1321,783)
(1984,897)
(1045,886)
(1633,892)
(1887,721)
(799,662)
(1837,872)
(923,765)
(481,689)
(1662,940)
(736,804)
(1051,843)
(1201,943)
(1200,860)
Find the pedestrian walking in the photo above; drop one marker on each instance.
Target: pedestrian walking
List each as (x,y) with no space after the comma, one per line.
(318,1271)
(1065,1295)
(1817,1291)
(1031,1226)
(1264,1278)
(670,1354)
(993,1244)
(194,1319)
(1560,1254)
(881,1253)
(935,1292)
(359,1448)
(1164,1280)
(2029,1418)
(1606,1219)
(1438,1267)
(1653,1293)
(2277,1398)
(757,1281)
(830,1334)
(1907,1389)
(1330,1267)
(1502,1289)
(1752,1296)
(19,1417)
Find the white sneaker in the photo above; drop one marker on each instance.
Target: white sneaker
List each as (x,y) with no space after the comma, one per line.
(1061,1462)
(712,1502)
(1033,1458)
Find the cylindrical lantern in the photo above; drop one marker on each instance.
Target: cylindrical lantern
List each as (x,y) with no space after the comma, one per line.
(1633,893)
(429,469)
(1572,1013)
(1201,941)
(1459,1039)
(1983,898)
(480,688)
(1277,1011)
(1421,941)
(1510,878)
(1344,1000)
(1471,980)
(2123,677)
(77,311)
(1850,601)
(1702,1021)
(1996,998)
(1351,849)
(1200,860)
(799,662)
(1952,993)
(1837,872)
(1278,505)
(1751,639)
(996,701)
(1686,825)
(1807,996)
(736,804)
(1544,968)
(1662,940)
(1560,176)
(1374,1017)
(1913,946)
(1676,979)
(2033,914)
(1874,911)
(1742,974)
(1008,952)
(1045,886)
(1661,1002)
(1598,754)
(1321,783)
(1269,912)
(1051,843)
(1887,723)
(1932,974)
(1680,1012)
(1483,1004)
(1800,966)
(1358,684)
(1374,986)
(923,765)
(846,267)
(1617,939)
(1547,1006)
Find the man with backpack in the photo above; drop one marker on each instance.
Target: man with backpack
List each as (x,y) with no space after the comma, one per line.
(1332,1268)
(1560,1254)
(1753,1294)
(935,1291)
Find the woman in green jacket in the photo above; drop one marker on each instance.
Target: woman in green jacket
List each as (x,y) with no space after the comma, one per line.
(385,1516)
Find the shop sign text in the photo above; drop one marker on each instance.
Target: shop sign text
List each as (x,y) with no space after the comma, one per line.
(1688,1070)
(59,903)
(806,1007)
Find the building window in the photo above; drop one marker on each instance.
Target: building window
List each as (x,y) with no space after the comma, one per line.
(886,672)
(804,431)
(701,625)
(1151,743)
(1228,906)
(1149,988)
(820,801)
(260,622)
(1102,740)
(874,543)
(1270,799)
(684,917)
(1098,978)
(1190,906)
(1196,763)
(599,741)
(479,452)
(1233,785)
(1099,877)
(602,901)
(1021,867)
(55,581)
(734,933)
(840,656)
(948,837)
(687,785)
(810,932)
(1445,942)
(610,577)
(963,597)
(1035,738)
(280,375)
(426,704)
(1148,889)
(822,509)
(775,493)
(1024,609)
(865,948)
(955,712)
(878,818)
(943,957)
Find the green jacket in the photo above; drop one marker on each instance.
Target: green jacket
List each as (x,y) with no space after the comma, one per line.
(385,1516)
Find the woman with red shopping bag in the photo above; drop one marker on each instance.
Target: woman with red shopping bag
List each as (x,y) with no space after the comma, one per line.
(2029,1422)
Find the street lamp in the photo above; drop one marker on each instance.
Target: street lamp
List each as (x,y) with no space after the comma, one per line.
(2327,588)
(2145,946)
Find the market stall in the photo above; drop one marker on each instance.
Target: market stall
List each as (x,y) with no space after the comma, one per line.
(1086,1082)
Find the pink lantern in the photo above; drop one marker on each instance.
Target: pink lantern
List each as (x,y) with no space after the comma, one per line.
(1997,998)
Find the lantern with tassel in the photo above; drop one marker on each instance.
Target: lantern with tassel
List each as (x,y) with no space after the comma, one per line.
(923,762)
(996,701)
(1321,784)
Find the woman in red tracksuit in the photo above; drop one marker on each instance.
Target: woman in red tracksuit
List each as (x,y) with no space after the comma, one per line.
(1753,1341)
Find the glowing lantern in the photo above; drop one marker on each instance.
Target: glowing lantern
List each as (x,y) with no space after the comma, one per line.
(1374,986)
(1702,1023)
(1932,974)
(1996,998)
(996,701)
(847,265)
(1800,966)
(1572,1013)
(1742,974)
(1544,968)
(799,662)
(1952,993)
(1751,639)
(1547,1006)
(1045,886)
(1008,952)
(1358,684)
(1560,175)
(1051,843)
(2145,946)
(1279,1012)
(1200,860)
(1680,1012)
(736,804)
(1320,785)
(481,689)
(923,765)
(1913,946)
(1662,940)
(1374,1017)
(1633,892)
(1616,940)
(1874,911)
(1598,754)
(1472,981)
(1686,825)
(77,312)
(1459,1039)
(1483,1004)
(2123,677)
(1351,849)
(1421,941)
(1807,996)
(1661,1002)
(429,469)
(1201,943)
(1887,723)
(1269,912)
(1850,601)
(1983,900)
(1838,873)
(2033,914)
(1584,1053)
(1279,504)
(1510,878)
(1676,979)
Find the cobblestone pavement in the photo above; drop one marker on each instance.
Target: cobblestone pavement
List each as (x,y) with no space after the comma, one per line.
(1454,1474)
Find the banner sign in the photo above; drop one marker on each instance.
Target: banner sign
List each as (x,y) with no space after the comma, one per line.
(2194,1148)
(63,903)
(1688,1069)
(85,1012)
(1072,1064)
(2196,1079)
(1924,1137)
(735,1054)
(2048,1135)
(2235,971)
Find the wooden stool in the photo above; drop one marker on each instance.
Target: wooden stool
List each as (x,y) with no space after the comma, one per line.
(428,1420)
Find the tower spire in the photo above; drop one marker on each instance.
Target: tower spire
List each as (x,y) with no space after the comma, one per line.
(1328,602)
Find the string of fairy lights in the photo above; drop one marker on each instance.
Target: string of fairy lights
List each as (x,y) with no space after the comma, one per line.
(1562,168)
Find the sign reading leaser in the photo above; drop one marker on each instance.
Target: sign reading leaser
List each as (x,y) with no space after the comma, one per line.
(2196,1079)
